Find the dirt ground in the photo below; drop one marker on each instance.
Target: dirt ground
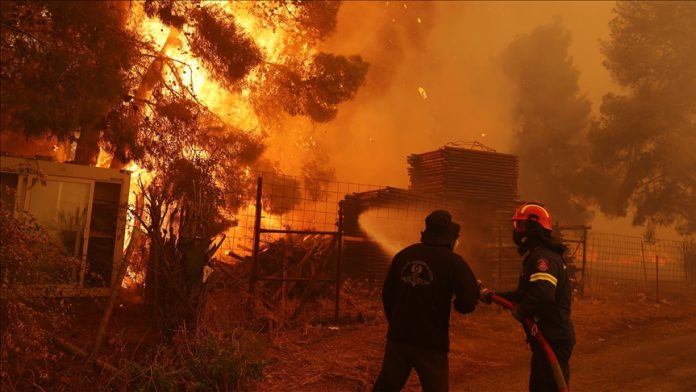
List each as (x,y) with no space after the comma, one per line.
(636,346)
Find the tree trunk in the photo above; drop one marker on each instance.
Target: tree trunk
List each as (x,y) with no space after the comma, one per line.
(150,79)
(87,146)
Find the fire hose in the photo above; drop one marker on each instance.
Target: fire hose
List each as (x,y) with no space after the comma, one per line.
(533,329)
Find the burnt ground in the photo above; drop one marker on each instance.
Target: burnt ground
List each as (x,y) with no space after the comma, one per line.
(636,346)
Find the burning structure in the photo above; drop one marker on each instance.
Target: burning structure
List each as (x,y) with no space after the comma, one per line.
(477,184)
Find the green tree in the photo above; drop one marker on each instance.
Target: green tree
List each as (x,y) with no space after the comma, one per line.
(643,145)
(552,119)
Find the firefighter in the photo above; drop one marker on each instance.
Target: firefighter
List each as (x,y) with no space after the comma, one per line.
(543,293)
(417,296)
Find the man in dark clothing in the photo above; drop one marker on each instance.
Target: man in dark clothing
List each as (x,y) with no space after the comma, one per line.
(543,293)
(417,295)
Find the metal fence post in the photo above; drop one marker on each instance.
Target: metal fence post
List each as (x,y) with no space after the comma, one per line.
(657,278)
(584,261)
(500,256)
(687,275)
(645,270)
(339,249)
(257,238)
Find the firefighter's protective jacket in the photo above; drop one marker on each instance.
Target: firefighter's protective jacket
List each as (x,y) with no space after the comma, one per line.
(544,293)
(418,291)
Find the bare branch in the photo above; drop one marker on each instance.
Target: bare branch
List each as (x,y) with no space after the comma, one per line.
(25,33)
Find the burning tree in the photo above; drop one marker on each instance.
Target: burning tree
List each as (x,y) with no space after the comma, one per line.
(642,146)
(71,68)
(188,90)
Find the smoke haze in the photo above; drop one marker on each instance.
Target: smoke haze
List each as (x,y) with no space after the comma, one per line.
(453,54)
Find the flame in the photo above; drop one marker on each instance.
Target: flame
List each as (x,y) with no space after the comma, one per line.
(233,107)
(242,234)
(278,43)
(272,42)
(140,178)
(184,68)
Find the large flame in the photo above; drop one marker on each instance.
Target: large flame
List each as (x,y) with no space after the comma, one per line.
(233,106)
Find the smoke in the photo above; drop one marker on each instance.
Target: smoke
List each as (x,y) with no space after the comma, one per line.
(454,54)
(552,116)
(451,50)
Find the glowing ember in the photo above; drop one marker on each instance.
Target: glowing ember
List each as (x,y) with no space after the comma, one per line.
(422,93)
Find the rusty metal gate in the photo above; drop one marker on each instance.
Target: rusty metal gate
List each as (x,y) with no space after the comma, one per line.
(259,230)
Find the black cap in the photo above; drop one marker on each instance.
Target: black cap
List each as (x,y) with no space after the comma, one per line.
(439,228)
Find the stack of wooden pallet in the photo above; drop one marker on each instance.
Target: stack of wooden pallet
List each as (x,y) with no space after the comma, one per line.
(477,185)
(456,173)
(477,177)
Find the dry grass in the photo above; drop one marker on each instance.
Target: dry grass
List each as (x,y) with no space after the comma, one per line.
(482,345)
(308,355)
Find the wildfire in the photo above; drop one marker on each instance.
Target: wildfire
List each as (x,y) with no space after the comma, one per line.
(185,73)
(191,71)
(234,107)
(272,42)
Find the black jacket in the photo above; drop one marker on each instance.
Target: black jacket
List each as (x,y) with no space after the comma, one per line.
(544,293)
(417,294)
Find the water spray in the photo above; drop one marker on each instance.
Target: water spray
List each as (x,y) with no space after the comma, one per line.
(392,228)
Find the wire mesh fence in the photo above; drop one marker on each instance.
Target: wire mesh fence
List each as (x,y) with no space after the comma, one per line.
(290,231)
(299,222)
(378,220)
(289,203)
(620,265)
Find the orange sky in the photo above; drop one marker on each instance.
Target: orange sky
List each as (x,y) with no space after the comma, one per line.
(452,54)
(456,64)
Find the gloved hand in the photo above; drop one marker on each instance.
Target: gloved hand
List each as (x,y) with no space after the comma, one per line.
(486,295)
(517,314)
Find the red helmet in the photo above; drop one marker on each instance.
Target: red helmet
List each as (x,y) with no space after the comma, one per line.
(531,211)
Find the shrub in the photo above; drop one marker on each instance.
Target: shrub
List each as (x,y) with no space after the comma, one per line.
(211,363)
(27,257)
